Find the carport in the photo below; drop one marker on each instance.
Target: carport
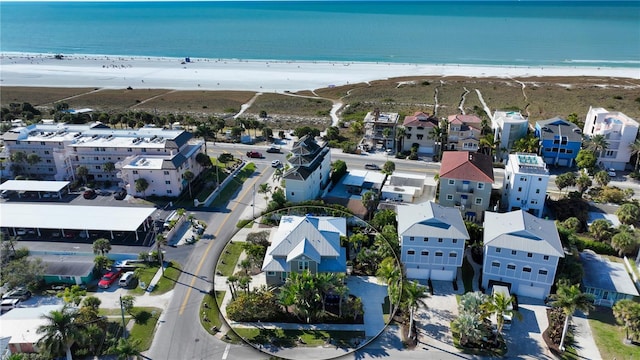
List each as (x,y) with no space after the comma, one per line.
(79,218)
(38,186)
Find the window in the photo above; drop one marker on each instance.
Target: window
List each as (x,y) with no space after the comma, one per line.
(135,172)
(569,151)
(534,202)
(46,152)
(453,254)
(424,253)
(41,142)
(129,150)
(537,191)
(48,161)
(519,188)
(166,173)
(303,265)
(420,136)
(143,150)
(411,238)
(452,181)
(495,264)
(449,197)
(513,252)
(526,269)
(425,239)
(439,240)
(529,255)
(169,191)
(438,253)
(511,267)
(455,241)
(498,250)
(293,193)
(478,201)
(522,178)
(480,186)
(411,252)
(168,182)
(271,273)
(543,272)
(98,167)
(96,158)
(546,257)
(99,176)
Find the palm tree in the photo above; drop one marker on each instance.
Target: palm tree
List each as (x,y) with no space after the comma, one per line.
(33,159)
(101,246)
(82,172)
(205,131)
(570,299)
(488,144)
(634,149)
(438,133)
(628,213)
(109,167)
(583,182)
(161,242)
(126,348)
(141,185)
(389,272)
(189,176)
(17,159)
(413,295)
(401,132)
(624,242)
(602,178)
(264,189)
(60,331)
(370,201)
(627,314)
(386,133)
(598,144)
(501,305)
(468,326)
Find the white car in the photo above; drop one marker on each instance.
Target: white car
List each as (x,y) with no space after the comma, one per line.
(276,163)
(611,172)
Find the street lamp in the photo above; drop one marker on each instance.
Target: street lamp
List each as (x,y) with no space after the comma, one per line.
(124,325)
(253,203)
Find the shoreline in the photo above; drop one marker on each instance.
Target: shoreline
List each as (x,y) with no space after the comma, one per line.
(119,72)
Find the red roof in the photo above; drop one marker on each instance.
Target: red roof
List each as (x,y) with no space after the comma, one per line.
(420,119)
(464,119)
(465,165)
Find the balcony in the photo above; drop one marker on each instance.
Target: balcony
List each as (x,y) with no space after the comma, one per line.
(465,190)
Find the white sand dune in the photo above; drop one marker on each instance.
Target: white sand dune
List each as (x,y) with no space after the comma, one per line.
(20,69)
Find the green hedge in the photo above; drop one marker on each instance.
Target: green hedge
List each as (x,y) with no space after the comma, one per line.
(598,247)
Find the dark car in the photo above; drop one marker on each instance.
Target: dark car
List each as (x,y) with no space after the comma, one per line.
(371,167)
(109,278)
(254,154)
(18,293)
(274,150)
(120,194)
(89,194)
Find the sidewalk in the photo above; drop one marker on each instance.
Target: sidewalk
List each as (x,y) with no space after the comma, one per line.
(477,269)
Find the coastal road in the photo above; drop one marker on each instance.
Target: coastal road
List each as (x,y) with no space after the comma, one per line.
(179,334)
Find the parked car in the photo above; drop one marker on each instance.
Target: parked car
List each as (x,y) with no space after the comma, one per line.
(8,304)
(120,194)
(89,194)
(18,293)
(276,163)
(254,154)
(126,279)
(274,150)
(109,278)
(611,172)
(371,167)
(7,194)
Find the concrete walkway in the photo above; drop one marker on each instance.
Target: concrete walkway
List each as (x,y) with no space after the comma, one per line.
(584,344)
(477,269)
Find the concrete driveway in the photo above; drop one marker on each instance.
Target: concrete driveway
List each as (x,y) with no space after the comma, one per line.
(434,321)
(524,339)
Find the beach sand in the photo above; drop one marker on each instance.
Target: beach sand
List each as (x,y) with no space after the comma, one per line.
(117,72)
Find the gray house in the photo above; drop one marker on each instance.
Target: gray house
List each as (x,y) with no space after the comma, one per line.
(310,243)
(607,281)
(521,252)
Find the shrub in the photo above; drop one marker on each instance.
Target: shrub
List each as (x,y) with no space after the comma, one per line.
(598,247)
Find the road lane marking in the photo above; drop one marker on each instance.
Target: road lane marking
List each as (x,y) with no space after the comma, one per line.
(226,352)
(206,252)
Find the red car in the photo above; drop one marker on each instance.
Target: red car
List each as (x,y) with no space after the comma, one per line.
(254,154)
(109,278)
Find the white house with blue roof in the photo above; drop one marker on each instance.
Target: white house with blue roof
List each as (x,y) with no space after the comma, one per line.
(432,239)
(521,252)
(302,243)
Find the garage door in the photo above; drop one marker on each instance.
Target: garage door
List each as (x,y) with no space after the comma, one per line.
(425,149)
(417,273)
(531,291)
(549,160)
(563,162)
(446,275)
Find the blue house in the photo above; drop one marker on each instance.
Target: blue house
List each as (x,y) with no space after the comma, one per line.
(560,141)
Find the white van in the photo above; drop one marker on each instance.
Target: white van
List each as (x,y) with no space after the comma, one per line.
(8,304)
(171,217)
(126,279)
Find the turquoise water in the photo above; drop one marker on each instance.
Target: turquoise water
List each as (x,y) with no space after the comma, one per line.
(594,33)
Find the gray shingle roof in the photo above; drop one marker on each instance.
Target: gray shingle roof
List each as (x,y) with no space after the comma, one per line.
(519,230)
(558,126)
(603,274)
(431,219)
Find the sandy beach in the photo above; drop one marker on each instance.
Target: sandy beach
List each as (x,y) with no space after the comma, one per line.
(116,72)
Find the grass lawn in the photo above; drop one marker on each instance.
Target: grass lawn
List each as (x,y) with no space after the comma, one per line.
(467,275)
(609,336)
(280,337)
(229,258)
(209,308)
(233,186)
(166,283)
(145,325)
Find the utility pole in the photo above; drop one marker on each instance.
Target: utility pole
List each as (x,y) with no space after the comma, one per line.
(253,205)
(124,325)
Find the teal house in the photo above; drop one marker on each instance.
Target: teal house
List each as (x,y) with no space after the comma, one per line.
(68,272)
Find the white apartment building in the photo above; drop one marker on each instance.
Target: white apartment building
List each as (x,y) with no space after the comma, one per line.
(508,126)
(525,183)
(432,239)
(618,129)
(62,148)
(310,170)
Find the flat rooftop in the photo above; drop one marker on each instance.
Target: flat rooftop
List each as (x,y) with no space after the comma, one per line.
(529,163)
(145,162)
(33,185)
(52,216)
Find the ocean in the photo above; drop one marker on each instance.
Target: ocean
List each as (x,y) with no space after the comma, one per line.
(572,33)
